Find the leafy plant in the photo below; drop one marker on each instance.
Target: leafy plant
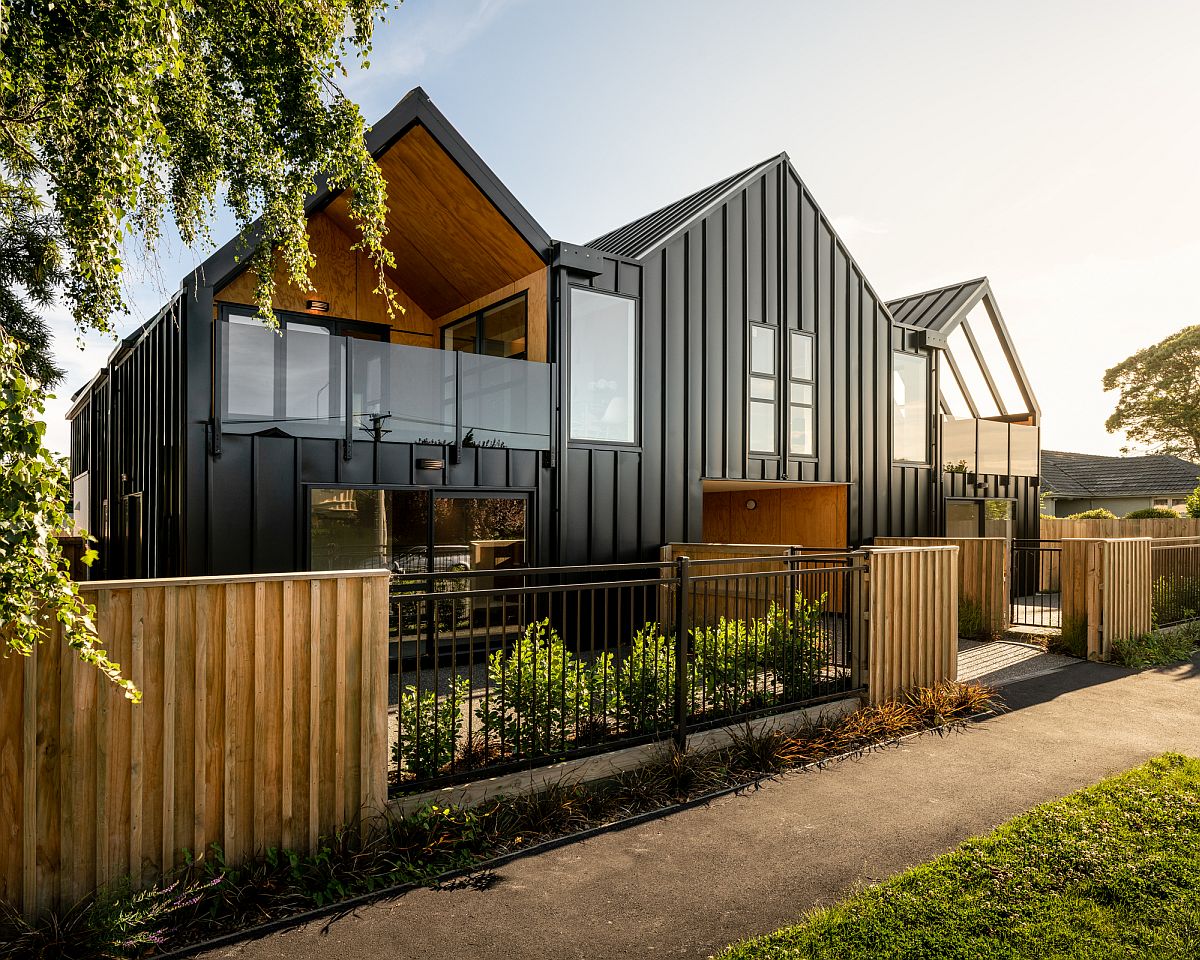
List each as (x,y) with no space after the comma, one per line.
(1158,648)
(1152,513)
(796,647)
(970,619)
(1072,638)
(1193,504)
(646,682)
(727,660)
(430,728)
(1100,513)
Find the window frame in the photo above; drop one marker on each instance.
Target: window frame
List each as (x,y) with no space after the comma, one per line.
(477,317)
(638,367)
(891,388)
(811,383)
(751,400)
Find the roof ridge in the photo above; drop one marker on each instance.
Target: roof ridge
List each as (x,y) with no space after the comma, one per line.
(941,289)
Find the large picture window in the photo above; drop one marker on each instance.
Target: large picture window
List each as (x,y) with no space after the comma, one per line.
(603,367)
(496,331)
(764,390)
(910,408)
(801,420)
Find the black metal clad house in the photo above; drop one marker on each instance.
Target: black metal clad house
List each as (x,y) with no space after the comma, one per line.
(719,370)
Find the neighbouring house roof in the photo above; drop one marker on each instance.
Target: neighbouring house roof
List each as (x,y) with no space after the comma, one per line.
(1089,475)
(937,309)
(639,237)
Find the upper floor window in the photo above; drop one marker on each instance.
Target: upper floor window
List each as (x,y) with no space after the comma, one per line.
(764,390)
(910,408)
(496,331)
(604,397)
(801,396)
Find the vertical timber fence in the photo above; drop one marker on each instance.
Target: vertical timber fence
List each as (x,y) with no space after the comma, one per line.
(1106,593)
(278,708)
(262,724)
(983,577)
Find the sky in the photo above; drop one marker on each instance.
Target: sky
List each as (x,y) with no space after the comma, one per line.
(1050,146)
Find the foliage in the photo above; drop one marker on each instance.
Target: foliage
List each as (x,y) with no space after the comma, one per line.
(1072,639)
(35,587)
(128,113)
(726,666)
(31,271)
(1152,513)
(209,897)
(1113,870)
(1158,648)
(970,619)
(1159,405)
(646,682)
(430,727)
(1193,504)
(796,647)
(1100,513)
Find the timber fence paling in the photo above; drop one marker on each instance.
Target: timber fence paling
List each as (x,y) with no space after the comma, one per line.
(983,572)
(912,620)
(1059,528)
(1106,591)
(226,747)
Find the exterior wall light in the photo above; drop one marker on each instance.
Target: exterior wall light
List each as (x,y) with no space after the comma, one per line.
(752,504)
(317,306)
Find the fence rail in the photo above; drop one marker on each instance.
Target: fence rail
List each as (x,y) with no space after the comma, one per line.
(1175,581)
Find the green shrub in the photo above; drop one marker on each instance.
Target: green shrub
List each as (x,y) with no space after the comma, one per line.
(796,647)
(726,666)
(1193,504)
(430,726)
(646,682)
(1152,513)
(970,620)
(1098,514)
(1159,648)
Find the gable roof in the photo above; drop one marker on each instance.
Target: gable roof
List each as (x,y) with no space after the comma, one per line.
(637,238)
(1089,475)
(941,308)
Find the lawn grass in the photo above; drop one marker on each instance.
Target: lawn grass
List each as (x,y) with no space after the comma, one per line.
(1111,871)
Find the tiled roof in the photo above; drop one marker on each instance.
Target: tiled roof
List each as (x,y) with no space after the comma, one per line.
(1088,475)
(934,309)
(638,238)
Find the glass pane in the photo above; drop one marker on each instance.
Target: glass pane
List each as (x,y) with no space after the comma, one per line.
(408,531)
(762,426)
(1023,451)
(348,529)
(962,518)
(993,447)
(762,388)
(958,445)
(504,330)
(461,336)
(802,393)
(603,367)
(972,376)
(997,518)
(505,403)
(762,350)
(910,408)
(315,390)
(802,356)
(801,431)
(1001,370)
(412,388)
(248,352)
(952,395)
(478,533)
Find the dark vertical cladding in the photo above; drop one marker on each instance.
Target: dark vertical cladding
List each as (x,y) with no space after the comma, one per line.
(1023,491)
(127,435)
(767,254)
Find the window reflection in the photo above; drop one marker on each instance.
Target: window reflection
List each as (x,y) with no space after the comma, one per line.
(910,408)
(603,367)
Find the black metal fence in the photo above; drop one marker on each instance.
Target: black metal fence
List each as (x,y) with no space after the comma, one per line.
(1035,583)
(497,670)
(1174,581)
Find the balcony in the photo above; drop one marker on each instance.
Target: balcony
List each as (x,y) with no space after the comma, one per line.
(308,383)
(989,447)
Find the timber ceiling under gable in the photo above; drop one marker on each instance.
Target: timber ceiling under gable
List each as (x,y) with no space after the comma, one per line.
(450,242)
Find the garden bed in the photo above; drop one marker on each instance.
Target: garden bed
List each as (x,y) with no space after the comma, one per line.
(1113,870)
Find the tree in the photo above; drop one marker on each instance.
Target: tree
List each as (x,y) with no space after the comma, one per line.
(1193,504)
(118,115)
(1159,405)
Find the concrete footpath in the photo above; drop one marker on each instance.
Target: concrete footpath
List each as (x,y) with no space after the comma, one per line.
(687,885)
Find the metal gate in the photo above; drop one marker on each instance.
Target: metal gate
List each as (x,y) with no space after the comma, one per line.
(1035,584)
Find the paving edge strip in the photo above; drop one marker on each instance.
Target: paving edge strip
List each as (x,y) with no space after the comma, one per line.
(336,911)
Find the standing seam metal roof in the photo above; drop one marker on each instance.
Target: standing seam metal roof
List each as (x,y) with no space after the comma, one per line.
(935,309)
(637,238)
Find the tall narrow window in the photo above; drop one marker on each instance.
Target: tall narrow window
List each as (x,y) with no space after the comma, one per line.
(800,396)
(603,367)
(764,388)
(910,408)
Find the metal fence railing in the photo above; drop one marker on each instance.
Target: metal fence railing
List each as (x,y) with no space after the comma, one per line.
(501,670)
(1174,581)
(1035,583)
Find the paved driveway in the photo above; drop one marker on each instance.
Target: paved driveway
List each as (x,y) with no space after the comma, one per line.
(687,885)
